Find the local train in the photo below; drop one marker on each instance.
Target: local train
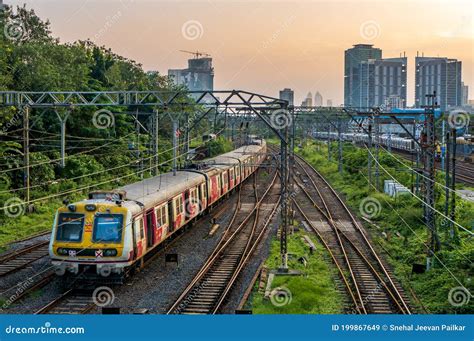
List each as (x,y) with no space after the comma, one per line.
(465,144)
(111,232)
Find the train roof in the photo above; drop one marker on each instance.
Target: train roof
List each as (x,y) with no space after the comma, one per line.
(150,192)
(160,188)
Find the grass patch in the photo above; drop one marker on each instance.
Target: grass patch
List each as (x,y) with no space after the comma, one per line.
(312,293)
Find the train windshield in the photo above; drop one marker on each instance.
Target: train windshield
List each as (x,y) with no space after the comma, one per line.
(70,226)
(108,228)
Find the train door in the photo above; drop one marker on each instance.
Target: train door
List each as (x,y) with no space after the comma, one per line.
(170,216)
(150,227)
(161,214)
(139,231)
(178,212)
(203,195)
(187,205)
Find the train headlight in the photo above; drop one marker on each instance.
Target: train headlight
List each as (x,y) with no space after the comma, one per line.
(110,253)
(72,208)
(62,252)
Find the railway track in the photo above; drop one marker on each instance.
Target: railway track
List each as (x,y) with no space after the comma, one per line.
(19,259)
(209,288)
(71,302)
(464,170)
(365,277)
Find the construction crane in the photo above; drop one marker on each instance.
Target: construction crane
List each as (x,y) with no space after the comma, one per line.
(196,54)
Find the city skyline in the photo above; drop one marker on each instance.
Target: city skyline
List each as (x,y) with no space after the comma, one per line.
(300,45)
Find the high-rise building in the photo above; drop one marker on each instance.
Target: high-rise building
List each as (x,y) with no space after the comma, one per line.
(318,99)
(329,102)
(288,95)
(309,100)
(465,94)
(199,76)
(442,75)
(383,81)
(352,59)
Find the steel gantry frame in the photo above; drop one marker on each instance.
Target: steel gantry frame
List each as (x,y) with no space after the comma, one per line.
(376,117)
(174,103)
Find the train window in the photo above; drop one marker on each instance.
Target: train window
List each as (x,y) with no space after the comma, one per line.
(164,215)
(142,229)
(159,216)
(137,226)
(178,203)
(231,174)
(70,227)
(108,228)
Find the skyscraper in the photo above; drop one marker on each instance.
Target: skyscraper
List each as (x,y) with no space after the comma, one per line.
(288,95)
(199,76)
(352,59)
(383,81)
(309,100)
(465,94)
(442,75)
(318,99)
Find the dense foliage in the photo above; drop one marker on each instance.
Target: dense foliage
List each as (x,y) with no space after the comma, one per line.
(31,59)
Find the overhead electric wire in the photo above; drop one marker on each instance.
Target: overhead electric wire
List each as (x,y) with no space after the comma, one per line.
(420,199)
(99,172)
(66,157)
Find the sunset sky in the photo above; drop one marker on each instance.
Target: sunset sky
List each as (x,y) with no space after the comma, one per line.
(264,46)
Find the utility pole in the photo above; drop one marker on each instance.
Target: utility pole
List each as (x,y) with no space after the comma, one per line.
(175,146)
(329,142)
(447,182)
(285,198)
(26,153)
(453,184)
(418,150)
(155,137)
(377,170)
(339,136)
(62,121)
(369,157)
(429,173)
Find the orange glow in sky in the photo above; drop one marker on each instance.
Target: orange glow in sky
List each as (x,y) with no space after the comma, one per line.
(264,46)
